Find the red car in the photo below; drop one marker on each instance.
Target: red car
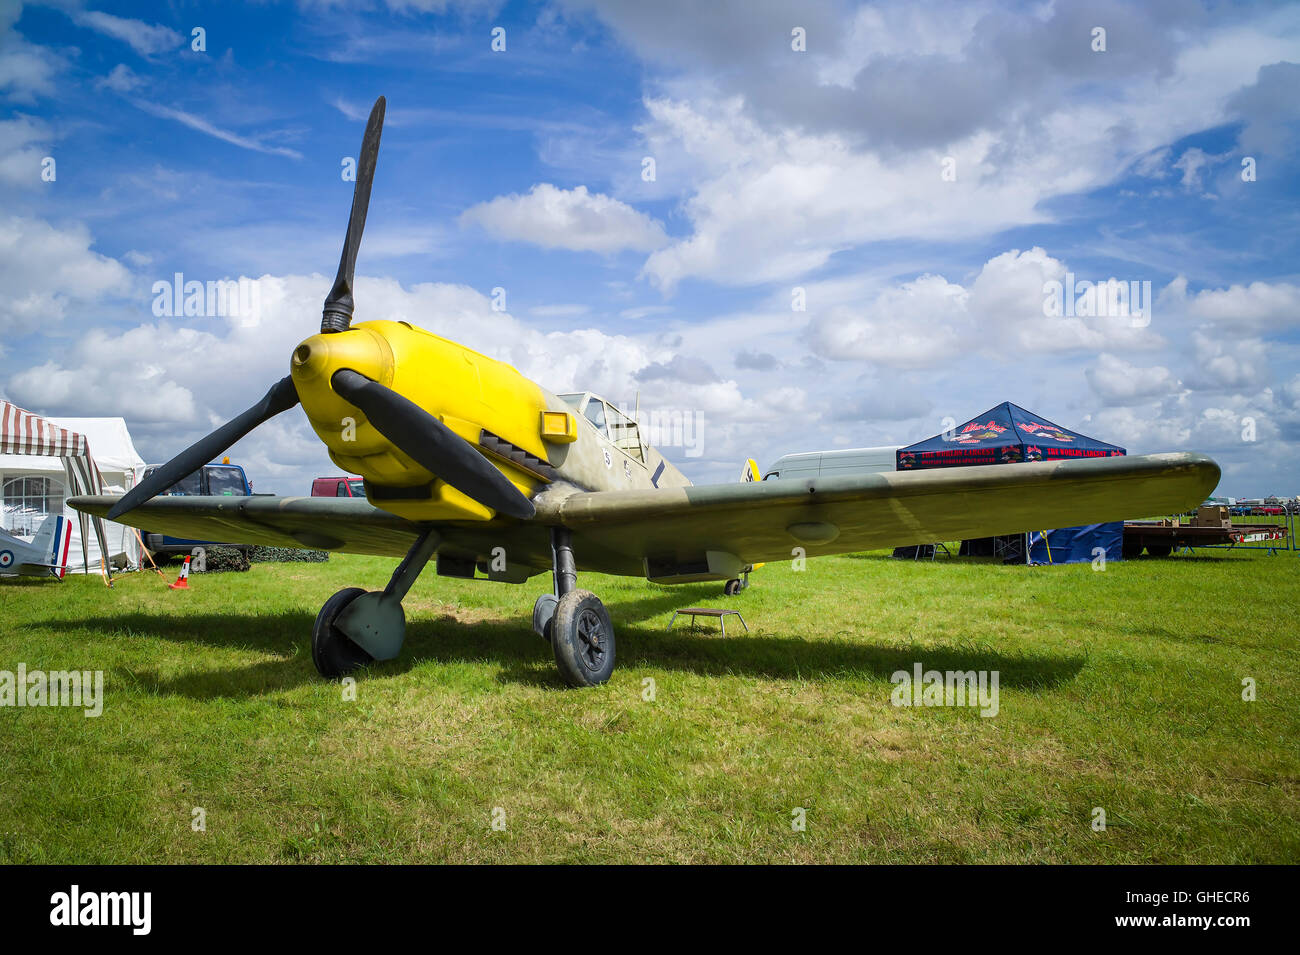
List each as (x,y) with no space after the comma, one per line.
(338,487)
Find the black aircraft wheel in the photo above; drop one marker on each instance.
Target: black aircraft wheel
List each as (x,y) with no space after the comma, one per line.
(332,652)
(732,587)
(583,639)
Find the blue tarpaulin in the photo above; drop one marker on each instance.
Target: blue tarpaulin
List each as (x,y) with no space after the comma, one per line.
(1077,545)
(1008,434)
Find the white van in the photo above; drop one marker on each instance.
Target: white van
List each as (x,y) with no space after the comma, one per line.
(811,464)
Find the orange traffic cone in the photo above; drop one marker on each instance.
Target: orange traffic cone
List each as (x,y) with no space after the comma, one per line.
(183,581)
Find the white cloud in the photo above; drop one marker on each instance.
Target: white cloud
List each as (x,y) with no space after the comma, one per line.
(203,126)
(121,79)
(784,168)
(1257,306)
(24,143)
(26,70)
(133,390)
(559,311)
(916,324)
(46,271)
(1191,163)
(146,39)
(1118,382)
(1224,363)
(571,219)
(930,321)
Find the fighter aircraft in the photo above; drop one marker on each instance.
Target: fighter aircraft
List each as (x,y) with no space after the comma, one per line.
(45,556)
(468,463)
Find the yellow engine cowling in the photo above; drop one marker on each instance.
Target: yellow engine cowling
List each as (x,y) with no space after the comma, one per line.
(470,393)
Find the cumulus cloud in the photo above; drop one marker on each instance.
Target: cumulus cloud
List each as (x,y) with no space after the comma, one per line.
(930,321)
(1254,306)
(24,143)
(793,158)
(682,368)
(1229,363)
(1118,382)
(573,219)
(756,360)
(47,270)
(26,70)
(911,325)
(1269,109)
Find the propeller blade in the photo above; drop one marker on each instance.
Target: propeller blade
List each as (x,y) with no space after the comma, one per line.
(432,444)
(281,397)
(337,314)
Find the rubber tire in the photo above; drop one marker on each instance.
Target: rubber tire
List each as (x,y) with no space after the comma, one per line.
(569,659)
(1159,550)
(332,652)
(540,610)
(732,588)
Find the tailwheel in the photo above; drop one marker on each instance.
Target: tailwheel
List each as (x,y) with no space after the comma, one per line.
(733,587)
(332,652)
(583,639)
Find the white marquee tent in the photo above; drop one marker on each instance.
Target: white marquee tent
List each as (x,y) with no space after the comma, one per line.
(36,479)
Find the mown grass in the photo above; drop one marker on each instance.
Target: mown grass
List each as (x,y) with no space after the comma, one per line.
(1119,689)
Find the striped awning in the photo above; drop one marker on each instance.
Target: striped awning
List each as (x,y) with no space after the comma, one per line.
(22,432)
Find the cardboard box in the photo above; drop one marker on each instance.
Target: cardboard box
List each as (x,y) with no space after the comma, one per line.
(1212,516)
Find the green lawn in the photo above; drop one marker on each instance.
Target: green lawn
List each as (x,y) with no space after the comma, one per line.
(1119,689)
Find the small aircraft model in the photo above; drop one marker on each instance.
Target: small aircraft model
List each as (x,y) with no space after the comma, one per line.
(469,463)
(45,556)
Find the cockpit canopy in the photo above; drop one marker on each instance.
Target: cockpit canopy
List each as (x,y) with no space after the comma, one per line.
(606,418)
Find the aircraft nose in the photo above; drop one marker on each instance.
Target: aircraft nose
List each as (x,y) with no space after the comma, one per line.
(317,358)
(311,359)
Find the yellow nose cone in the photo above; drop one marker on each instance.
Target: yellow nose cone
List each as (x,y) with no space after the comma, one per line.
(359,349)
(315,361)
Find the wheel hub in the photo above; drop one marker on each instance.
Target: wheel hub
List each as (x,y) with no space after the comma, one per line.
(592,634)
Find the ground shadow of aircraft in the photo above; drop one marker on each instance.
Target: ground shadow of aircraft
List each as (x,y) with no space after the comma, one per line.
(511,644)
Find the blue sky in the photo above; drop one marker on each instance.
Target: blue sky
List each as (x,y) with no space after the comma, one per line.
(775,169)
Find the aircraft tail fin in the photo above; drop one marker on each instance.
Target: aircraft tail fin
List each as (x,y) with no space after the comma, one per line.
(749,475)
(52,540)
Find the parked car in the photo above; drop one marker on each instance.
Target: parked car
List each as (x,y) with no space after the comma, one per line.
(220,480)
(338,487)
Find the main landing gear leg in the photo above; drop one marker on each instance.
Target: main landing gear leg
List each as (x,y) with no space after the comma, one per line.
(356,626)
(574,621)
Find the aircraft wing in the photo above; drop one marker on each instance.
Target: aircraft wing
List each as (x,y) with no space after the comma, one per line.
(616,531)
(764,521)
(329,523)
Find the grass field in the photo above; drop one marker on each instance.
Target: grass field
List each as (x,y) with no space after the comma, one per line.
(1118,689)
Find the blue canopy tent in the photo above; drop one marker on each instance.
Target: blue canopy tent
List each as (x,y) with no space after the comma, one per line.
(1008,434)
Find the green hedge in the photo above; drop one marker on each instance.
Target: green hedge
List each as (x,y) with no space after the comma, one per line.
(267,555)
